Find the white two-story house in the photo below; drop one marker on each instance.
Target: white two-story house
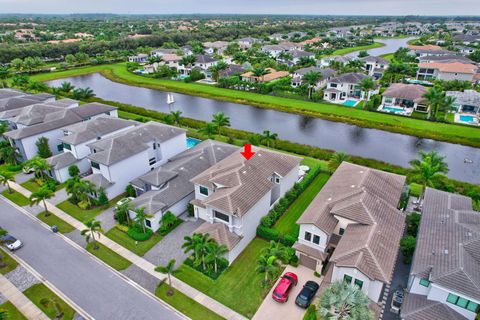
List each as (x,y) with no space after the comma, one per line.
(325,75)
(346,87)
(75,140)
(444,280)
(355,226)
(234,194)
(119,159)
(375,66)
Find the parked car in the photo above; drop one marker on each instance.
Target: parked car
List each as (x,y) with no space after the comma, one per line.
(10,242)
(123,201)
(286,283)
(28,170)
(305,297)
(397,301)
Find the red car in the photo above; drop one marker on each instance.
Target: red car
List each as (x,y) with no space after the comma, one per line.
(287,282)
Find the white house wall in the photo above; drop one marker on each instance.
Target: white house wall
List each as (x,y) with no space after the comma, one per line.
(31,149)
(371,288)
(438,293)
(314,231)
(288,181)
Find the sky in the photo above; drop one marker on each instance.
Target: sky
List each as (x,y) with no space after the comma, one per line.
(313,7)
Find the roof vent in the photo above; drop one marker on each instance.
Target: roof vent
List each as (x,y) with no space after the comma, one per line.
(361,171)
(329,199)
(353,186)
(445,251)
(433,252)
(469,234)
(244,172)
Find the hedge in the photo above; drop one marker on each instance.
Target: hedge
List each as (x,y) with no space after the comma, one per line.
(137,234)
(272,234)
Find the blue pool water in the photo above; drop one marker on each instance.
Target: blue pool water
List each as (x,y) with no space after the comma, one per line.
(468,119)
(191,142)
(350,103)
(393,109)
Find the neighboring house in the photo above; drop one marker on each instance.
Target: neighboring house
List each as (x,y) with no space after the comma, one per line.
(447,71)
(298,54)
(428,50)
(247,43)
(466,102)
(234,194)
(202,63)
(187,50)
(445,59)
(161,52)
(272,75)
(139,58)
(326,75)
(168,187)
(44,120)
(12,101)
(119,159)
(467,39)
(232,70)
(274,50)
(346,86)
(217,47)
(75,140)
(465,50)
(354,224)
(375,66)
(444,280)
(326,61)
(277,37)
(404,99)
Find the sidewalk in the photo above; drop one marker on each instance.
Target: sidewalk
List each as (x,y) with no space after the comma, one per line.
(191,292)
(20,301)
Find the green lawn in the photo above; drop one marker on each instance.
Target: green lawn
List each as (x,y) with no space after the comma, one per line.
(86,215)
(388,56)
(33,186)
(109,256)
(12,311)
(63,227)
(415,189)
(416,127)
(353,49)
(239,287)
(286,224)
(185,304)
(124,240)
(38,292)
(16,197)
(10,263)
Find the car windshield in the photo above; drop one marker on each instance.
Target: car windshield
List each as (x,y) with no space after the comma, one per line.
(8,239)
(278,295)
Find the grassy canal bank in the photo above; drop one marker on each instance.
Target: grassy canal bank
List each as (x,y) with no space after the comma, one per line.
(460,134)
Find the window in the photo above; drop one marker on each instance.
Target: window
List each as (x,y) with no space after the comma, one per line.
(277,180)
(472,306)
(424,282)
(347,278)
(308,236)
(462,302)
(148,223)
(359,283)
(107,113)
(333,85)
(316,239)
(67,146)
(152,161)
(60,147)
(204,190)
(452,298)
(341,231)
(221,216)
(95,165)
(154,146)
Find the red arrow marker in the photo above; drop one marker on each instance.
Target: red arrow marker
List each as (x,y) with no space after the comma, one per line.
(247,152)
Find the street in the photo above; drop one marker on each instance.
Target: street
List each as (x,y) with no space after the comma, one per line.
(92,286)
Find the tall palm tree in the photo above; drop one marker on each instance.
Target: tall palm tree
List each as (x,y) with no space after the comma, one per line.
(168,270)
(187,61)
(336,160)
(215,69)
(48,301)
(9,154)
(209,129)
(268,138)
(344,301)
(311,79)
(5,178)
(39,165)
(215,253)
(66,87)
(141,217)
(430,166)
(260,72)
(268,265)
(41,195)
(123,210)
(94,227)
(198,244)
(176,116)
(366,85)
(434,99)
(448,105)
(275,249)
(220,120)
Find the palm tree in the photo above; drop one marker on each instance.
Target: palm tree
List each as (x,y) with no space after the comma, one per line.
(3,128)
(48,301)
(5,178)
(260,72)
(187,61)
(215,253)
(197,244)
(336,160)
(276,249)
(220,120)
(269,265)
(168,270)
(366,85)
(124,209)
(209,129)
(93,228)
(311,79)
(268,138)
(430,166)
(66,87)
(176,116)
(448,105)
(40,196)
(83,93)
(9,154)
(141,217)
(39,165)
(434,99)
(344,301)
(215,69)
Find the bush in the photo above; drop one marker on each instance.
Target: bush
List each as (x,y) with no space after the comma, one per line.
(288,240)
(267,221)
(14,168)
(413,221)
(190,210)
(83,205)
(222,264)
(102,198)
(122,228)
(311,313)
(130,191)
(73,171)
(407,247)
(137,234)
(267,233)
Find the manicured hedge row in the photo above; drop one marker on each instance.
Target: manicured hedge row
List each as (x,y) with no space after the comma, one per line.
(137,234)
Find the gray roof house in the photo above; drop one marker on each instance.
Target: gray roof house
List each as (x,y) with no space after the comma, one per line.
(326,75)
(444,278)
(467,101)
(234,194)
(168,187)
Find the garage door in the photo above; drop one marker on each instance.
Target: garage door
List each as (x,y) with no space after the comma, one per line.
(308,262)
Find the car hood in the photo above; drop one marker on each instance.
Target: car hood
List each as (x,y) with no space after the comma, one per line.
(14,245)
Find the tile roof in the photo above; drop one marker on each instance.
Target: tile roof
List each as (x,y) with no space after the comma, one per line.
(418,307)
(412,92)
(445,58)
(220,233)
(273,75)
(354,78)
(325,72)
(468,97)
(130,142)
(374,59)
(426,47)
(202,58)
(450,67)
(99,180)
(239,184)
(448,243)
(61,160)
(370,198)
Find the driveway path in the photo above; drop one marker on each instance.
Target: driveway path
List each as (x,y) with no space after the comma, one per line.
(90,284)
(106,218)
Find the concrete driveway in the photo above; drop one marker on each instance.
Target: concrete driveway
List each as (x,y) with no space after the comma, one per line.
(270,309)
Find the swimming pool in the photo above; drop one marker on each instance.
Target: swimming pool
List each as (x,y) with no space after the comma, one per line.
(468,119)
(350,103)
(393,110)
(191,142)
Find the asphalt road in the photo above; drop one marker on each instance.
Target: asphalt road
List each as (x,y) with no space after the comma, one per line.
(92,286)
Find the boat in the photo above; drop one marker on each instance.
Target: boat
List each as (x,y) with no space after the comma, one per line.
(466,160)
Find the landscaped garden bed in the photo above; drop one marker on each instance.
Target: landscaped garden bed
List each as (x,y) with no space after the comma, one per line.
(53,220)
(108,256)
(49,302)
(16,198)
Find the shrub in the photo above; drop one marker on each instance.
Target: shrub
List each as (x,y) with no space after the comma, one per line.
(73,171)
(130,191)
(311,313)
(267,221)
(413,221)
(407,247)
(14,168)
(222,264)
(102,198)
(121,227)
(288,240)
(83,205)
(137,234)
(267,233)
(190,210)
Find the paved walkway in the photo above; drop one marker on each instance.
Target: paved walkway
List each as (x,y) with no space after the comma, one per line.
(60,196)
(20,301)
(106,218)
(142,263)
(23,177)
(171,246)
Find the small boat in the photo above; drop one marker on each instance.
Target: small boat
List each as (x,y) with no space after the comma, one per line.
(170,99)
(466,160)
